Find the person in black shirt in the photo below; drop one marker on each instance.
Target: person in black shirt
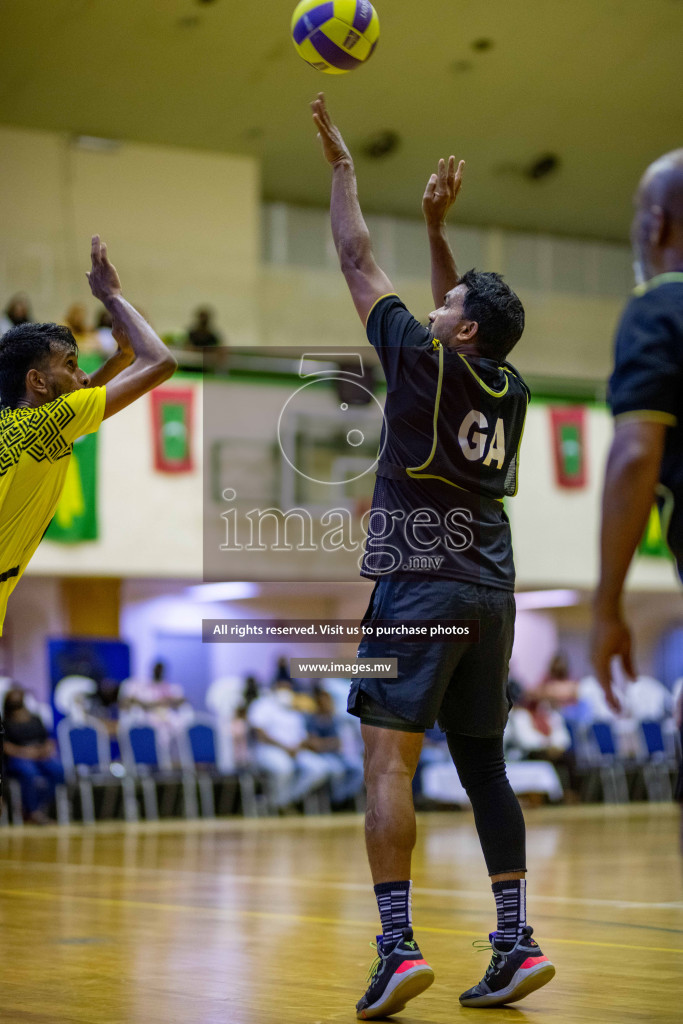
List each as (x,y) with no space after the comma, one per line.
(646,396)
(439,548)
(201,334)
(31,756)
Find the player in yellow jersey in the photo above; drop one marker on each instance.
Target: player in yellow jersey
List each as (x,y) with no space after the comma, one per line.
(48,402)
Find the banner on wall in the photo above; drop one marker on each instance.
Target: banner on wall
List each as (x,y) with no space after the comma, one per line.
(172,425)
(569,445)
(75,517)
(653,543)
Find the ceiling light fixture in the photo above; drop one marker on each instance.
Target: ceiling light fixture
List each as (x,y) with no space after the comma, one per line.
(231,591)
(95,144)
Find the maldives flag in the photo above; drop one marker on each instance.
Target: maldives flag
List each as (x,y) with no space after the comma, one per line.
(172,425)
(75,517)
(569,445)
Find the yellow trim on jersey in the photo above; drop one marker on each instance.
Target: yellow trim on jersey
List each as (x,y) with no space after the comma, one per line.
(415,472)
(654,282)
(647,416)
(519,448)
(490,391)
(433,476)
(388,294)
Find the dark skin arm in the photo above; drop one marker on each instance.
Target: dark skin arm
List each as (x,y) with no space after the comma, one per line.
(153,362)
(31,752)
(631,477)
(440,194)
(366,281)
(120,360)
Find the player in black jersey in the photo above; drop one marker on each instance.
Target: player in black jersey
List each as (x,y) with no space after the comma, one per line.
(646,396)
(439,548)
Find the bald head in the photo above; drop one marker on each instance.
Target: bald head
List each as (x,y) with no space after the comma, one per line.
(657,229)
(662,184)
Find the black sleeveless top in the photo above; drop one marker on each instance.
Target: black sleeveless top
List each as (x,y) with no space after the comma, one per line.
(449,454)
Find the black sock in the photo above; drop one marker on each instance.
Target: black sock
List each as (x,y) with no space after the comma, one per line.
(510,900)
(394,903)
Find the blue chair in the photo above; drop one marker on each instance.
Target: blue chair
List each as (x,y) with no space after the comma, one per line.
(199,746)
(608,763)
(653,735)
(586,771)
(12,809)
(658,762)
(148,761)
(84,747)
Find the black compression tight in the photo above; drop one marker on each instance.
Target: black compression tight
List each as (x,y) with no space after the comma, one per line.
(497,814)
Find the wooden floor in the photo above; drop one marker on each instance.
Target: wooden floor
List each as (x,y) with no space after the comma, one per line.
(269,923)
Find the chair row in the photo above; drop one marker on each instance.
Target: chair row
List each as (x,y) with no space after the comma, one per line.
(653,757)
(147,770)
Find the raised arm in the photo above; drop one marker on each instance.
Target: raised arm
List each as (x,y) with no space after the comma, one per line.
(120,360)
(366,281)
(153,362)
(440,194)
(628,494)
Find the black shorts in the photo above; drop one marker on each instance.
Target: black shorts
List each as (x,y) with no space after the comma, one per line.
(463,686)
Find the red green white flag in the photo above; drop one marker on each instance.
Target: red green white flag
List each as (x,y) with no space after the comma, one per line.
(569,445)
(172,425)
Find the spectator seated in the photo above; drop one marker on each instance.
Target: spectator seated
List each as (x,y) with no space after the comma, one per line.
(280,749)
(324,738)
(31,758)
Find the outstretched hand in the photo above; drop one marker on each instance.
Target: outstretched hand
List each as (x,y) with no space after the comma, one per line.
(334,147)
(103,279)
(442,190)
(611,638)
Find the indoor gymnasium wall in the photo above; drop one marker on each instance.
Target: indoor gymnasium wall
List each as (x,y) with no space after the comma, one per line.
(555,529)
(182,227)
(566,335)
(573,289)
(187,227)
(151,523)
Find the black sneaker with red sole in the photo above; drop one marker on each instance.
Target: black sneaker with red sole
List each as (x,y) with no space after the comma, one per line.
(512,974)
(398,974)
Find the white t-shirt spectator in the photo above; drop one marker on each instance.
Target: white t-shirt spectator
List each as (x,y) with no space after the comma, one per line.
(593,695)
(522,734)
(282,724)
(647,700)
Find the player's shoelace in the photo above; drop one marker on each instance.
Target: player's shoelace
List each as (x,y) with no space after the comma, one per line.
(483,946)
(376,963)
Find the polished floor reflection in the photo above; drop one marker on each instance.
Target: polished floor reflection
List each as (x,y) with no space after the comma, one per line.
(243,922)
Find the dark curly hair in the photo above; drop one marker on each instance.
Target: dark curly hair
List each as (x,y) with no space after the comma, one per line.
(497,310)
(28,347)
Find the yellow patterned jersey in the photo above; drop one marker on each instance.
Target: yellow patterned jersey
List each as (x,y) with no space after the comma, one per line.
(35,451)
